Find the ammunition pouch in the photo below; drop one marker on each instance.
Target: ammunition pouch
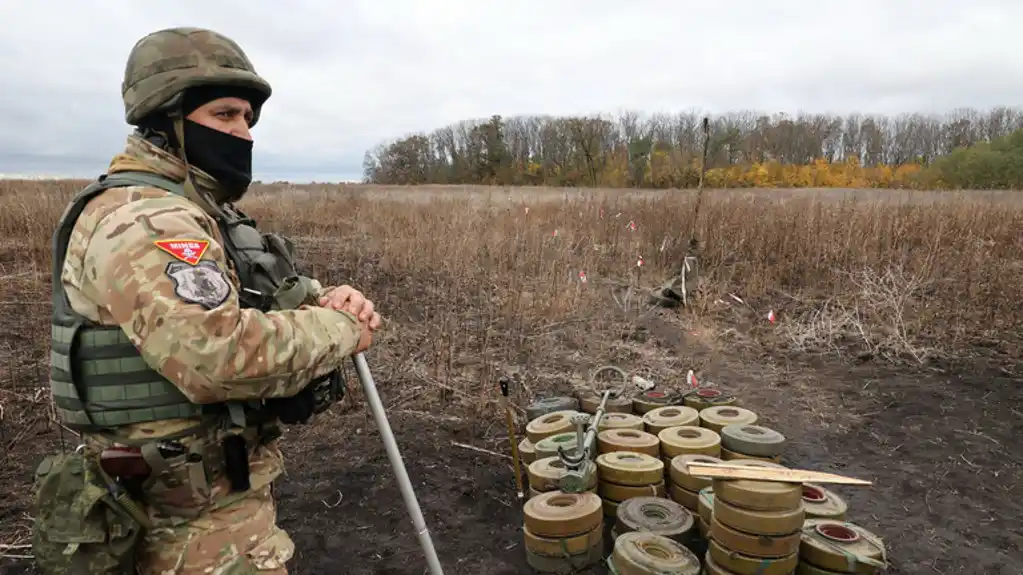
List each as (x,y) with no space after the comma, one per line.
(179,486)
(265,264)
(314,399)
(328,390)
(85,522)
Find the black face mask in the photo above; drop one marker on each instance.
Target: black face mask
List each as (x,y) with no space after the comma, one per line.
(225,157)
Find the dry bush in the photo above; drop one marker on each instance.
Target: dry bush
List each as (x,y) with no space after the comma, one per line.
(471,284)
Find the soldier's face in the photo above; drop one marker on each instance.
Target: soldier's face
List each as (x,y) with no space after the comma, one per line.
(230,115)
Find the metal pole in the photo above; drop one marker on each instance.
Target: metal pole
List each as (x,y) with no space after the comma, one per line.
(509,419)
(407,493)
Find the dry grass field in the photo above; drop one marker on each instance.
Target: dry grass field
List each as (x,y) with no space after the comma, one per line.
(895,355)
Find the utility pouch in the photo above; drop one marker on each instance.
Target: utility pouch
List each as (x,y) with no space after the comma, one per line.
(236,463)
(293,292)
(179,486)
(328,390)
(84,521)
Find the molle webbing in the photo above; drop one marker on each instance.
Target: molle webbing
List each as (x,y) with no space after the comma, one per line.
(264,263)
(119,386)
(98,377)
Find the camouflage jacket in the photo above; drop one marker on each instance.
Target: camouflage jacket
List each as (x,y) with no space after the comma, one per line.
(118,272)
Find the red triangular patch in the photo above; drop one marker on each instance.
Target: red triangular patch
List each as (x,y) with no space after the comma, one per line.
(188,251)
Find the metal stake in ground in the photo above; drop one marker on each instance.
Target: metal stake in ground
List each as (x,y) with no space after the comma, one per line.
(690,263)
(407,493)
(678,288)
(510,420)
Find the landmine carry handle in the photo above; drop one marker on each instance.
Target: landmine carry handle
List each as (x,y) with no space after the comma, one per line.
(407,493)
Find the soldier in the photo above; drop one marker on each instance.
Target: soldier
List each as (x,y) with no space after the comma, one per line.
(182,336)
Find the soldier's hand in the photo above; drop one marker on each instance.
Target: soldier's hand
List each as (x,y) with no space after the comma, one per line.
(347,298)
(366,337)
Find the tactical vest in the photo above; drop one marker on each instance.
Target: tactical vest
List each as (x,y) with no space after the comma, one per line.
(99,379)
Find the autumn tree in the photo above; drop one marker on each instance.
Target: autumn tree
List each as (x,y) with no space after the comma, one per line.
(745,148)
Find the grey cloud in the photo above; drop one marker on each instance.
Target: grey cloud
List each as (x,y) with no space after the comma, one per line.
(349,75)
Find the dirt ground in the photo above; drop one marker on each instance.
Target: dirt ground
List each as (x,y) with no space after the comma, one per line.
(939,444)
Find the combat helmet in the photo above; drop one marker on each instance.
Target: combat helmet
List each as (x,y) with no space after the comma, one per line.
(163,64)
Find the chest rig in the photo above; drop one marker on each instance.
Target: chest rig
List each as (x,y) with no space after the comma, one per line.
(98,378)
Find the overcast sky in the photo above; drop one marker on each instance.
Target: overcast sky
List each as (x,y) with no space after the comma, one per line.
(349,74)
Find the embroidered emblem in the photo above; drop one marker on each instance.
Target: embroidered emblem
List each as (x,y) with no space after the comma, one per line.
(188,251)
(204,283)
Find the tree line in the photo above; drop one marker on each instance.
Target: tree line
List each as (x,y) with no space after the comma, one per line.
(962,148)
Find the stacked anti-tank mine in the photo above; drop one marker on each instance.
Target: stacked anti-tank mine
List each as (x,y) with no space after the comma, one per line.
(546,475)
(628,462)
(627,474)
(750,526)
(753,522)
(549,432)
(646,553)
(657,518)
(589,400)
(563,532)
(541,430)
(656,515)
(705,397)
(657,420)
(653,535)
(755,526)
(546,433)
(820,502)
(663,536)
(834,547)
(647,401)
(748,441)
(831,545)
(717,417)
(621,421)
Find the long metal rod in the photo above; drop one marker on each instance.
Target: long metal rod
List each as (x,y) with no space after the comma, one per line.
(407,493)
(510,421)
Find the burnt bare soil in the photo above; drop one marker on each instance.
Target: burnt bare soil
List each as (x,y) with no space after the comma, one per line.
(941,445)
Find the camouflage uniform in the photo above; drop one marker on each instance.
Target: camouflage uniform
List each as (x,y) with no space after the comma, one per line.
(154,264)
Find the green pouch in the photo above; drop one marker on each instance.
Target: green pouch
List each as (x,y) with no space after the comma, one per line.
(293,292)
(80,525)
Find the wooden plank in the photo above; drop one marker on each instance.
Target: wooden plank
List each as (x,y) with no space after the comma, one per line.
(732,471)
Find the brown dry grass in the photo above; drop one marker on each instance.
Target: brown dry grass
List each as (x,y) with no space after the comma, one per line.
(472,283)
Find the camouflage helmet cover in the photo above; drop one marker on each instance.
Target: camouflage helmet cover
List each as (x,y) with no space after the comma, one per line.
(165,63)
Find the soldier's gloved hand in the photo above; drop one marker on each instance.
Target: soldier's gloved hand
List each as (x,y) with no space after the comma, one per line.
(295,409)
